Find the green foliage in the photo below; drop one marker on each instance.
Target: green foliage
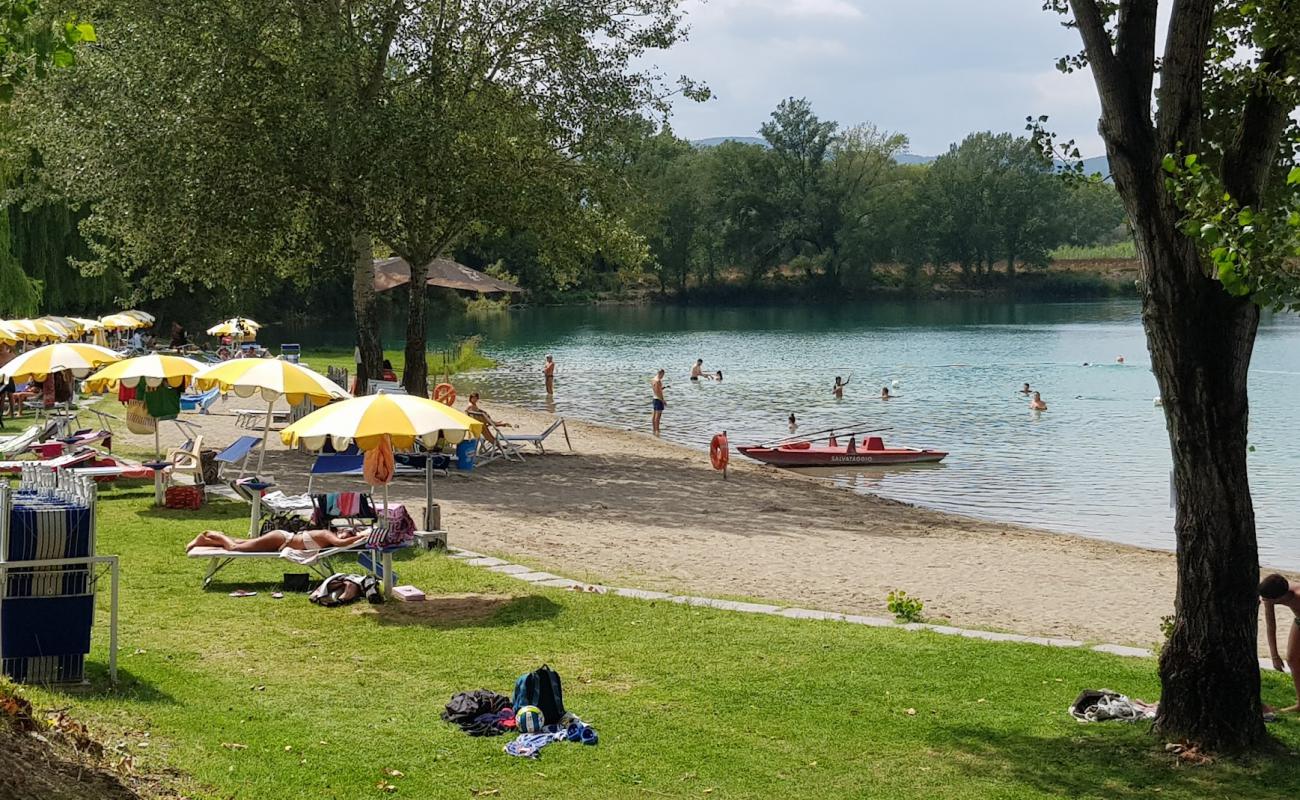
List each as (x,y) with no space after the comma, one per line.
(905,607)
(32,41)
(1126,250)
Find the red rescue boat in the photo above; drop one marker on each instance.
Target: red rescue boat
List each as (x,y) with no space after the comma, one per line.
(830,454)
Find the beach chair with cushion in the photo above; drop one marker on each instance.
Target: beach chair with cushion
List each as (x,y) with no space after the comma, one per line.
(200,402)
(238,453)
(384,387)
(65,461)
(494,444)
(538,440)
(17,445)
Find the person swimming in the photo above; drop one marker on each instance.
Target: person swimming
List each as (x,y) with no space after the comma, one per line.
(717,376)
(884,393)
(838,388)
(1027,390)
(1037,403)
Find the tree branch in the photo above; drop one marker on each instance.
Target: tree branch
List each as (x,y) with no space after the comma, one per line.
(1136,48)
(1101,55)
(1182,75)
(1249,156)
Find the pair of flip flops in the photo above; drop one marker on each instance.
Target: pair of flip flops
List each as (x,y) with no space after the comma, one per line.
(246,593)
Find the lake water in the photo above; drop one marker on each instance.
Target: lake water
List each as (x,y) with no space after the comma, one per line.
(1097,463)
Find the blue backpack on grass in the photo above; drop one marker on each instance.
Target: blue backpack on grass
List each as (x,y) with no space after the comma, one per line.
(541,688)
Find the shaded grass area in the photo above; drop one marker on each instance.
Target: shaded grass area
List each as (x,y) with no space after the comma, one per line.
(1124,249)
(456,358)
(689,702)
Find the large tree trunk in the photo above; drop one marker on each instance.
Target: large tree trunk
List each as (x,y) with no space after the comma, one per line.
(415,378)
(363,304)
(1200,339)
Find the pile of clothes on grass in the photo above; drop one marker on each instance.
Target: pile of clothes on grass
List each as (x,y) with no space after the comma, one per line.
(535,711)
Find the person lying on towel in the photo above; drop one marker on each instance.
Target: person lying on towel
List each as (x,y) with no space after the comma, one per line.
(272,541)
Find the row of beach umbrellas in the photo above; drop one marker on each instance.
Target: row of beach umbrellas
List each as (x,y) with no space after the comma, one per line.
(371,422)
(55,329)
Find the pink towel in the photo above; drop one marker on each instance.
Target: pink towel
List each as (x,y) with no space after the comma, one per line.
(349,504)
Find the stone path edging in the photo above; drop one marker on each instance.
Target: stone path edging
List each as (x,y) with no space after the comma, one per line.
(529,575)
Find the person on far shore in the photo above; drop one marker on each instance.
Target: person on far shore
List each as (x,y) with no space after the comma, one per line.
(838,388)
(1026,390)
(794,424)
(548,372)
(1275,591)
(884,393)
(1037,403)
(659,403)
(698,370)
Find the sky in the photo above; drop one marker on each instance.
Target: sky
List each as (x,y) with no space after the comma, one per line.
(934,70)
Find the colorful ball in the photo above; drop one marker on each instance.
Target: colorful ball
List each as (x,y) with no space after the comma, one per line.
(529,719)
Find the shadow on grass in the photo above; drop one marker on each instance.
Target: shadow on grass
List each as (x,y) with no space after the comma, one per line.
(128,687)
(1115,760)
(465,610)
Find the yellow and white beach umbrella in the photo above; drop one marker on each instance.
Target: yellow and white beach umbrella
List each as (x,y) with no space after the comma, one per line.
(80,359)
(146,318)
(39,330)
(8,335)
(271,379)
(405,418)
(235,326)
(121,322)
(73,327)
(153,369)
(88,324)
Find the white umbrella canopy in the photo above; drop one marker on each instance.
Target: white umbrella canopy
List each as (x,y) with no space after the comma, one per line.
(146,318)
(235,326)
(79,359)
(403,418)
(270,379)
(153,369)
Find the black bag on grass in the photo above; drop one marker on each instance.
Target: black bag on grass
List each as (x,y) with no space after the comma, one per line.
(541,688)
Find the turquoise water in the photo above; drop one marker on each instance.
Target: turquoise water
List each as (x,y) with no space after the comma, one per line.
(1096,463)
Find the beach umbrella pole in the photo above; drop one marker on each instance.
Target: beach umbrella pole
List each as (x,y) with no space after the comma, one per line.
(266,432)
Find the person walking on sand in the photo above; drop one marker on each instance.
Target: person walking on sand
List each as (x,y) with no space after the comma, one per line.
(838,388)
(698,369)
(1037,403)
(1275,590)
(548,373)
(659,403)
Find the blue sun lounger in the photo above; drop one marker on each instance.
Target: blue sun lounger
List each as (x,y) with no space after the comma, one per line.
(238,453)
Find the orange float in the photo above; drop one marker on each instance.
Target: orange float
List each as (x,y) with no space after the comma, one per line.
(719,452)
(445,393)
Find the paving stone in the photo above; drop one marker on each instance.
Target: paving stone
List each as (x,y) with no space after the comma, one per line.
(457,553)
(875,622)
(1053,642)
(485,561)
(533,577)
(732,605)
(642,594)
(559,583)
(808,613)
(994,636)
(1121,650)
(510,569)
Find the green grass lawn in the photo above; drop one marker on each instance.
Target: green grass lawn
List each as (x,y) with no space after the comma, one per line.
(454,359)
(689,702)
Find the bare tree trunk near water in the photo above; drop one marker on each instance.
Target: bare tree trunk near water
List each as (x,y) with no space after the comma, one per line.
(415,377)
(364,310)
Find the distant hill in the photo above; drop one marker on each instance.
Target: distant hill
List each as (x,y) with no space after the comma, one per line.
(1090,165)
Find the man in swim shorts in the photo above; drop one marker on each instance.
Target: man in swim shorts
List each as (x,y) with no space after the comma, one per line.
(698,369)
(659,403)
(1037,403)
(1275,591)
(548,372)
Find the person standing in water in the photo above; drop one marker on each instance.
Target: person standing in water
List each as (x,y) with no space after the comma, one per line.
(884,393)
(1037,403)
(548,372)
(794,424)
(698,369)
(838,388)
(659,403)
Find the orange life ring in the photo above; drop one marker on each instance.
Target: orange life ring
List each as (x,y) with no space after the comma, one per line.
(719,451)
(445,393)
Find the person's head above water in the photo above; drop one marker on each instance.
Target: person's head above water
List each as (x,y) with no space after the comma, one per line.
(1026,389)
(792,416)
(719,374)
(550,359)
(660,373)
(838,379)
(1037,396)
(884,391)
(1273,587)
(699,361)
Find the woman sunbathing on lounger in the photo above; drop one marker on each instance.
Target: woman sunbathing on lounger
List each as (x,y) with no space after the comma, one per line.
(273,541)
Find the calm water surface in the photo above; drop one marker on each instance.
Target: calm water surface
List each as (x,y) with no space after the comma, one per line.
(1096,463)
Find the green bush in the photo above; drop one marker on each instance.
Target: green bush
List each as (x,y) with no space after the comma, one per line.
(904,607)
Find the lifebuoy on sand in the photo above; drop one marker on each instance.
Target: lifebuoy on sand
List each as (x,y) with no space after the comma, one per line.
(445,393)
(719,451)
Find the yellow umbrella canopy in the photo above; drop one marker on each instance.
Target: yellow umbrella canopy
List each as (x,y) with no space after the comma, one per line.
(88,324)
(8,335)
(235,326)
(121,322)
(39,330)
(80,359)
(146,318)
(73,327)
(271,378)
(405,418)
(153,369)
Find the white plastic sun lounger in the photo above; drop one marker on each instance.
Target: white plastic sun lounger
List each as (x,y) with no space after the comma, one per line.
(319,561)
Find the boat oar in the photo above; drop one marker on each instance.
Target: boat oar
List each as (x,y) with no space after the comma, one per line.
(804,436)
(831,436)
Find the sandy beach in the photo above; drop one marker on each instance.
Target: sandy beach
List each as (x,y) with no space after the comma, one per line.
(627,508)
